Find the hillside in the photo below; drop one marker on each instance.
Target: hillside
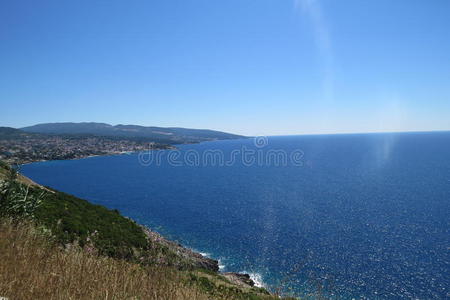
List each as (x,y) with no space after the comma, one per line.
(73,220)
(60,246)
(9,133)
(171,135)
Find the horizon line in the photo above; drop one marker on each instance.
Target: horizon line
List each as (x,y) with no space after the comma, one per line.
(250,135)
(358,132)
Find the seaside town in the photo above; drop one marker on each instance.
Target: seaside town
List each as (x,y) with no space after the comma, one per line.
(41,148)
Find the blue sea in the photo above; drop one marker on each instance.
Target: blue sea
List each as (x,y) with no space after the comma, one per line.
(363,216)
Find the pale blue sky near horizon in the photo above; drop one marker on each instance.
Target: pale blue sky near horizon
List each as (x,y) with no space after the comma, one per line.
(254,67)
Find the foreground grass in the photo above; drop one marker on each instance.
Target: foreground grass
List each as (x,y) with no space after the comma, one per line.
(31,267)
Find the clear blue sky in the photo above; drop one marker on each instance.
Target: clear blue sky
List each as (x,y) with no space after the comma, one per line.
(244,66)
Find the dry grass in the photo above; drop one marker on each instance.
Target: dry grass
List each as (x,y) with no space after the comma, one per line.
(32,268)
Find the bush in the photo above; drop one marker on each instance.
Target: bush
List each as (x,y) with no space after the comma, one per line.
(75,220)
(16,200)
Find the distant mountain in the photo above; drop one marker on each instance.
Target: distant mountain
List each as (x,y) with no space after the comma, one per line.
(7,133)
(170,135)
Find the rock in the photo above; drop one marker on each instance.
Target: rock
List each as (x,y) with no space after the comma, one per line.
(196,260)
(239,279)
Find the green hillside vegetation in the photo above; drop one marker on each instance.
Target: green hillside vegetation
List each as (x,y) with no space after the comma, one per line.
(80,221)
(52,241)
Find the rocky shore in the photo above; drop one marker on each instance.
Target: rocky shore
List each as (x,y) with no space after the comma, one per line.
(197,260)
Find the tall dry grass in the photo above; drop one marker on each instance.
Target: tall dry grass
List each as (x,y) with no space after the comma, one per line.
(33,268)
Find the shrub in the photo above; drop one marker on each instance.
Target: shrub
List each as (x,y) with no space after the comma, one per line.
(16,200)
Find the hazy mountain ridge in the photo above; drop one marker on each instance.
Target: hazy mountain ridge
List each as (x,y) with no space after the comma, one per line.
(172,135)
(7,133)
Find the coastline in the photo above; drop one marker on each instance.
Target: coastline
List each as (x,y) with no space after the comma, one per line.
(205,261)
(27,162)
(255,278)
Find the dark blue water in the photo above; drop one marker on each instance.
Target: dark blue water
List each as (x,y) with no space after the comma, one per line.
(363,216)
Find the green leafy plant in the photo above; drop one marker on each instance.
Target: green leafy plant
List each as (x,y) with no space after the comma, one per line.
(16,200)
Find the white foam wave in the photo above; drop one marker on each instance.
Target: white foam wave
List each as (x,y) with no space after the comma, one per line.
(257,279)
(221,265)
(208,255)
